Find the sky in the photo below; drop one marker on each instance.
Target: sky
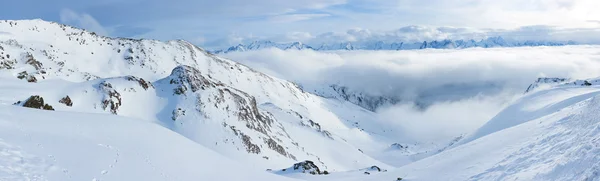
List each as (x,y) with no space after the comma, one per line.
(229,22)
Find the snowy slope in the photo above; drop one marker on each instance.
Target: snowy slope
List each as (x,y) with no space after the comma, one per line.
(45,145)
(551,134)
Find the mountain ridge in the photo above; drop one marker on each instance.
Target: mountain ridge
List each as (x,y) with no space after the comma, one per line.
(490,42)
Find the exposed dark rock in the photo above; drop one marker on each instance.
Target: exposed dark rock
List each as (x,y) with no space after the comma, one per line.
(26,76)
(308,166)
(250,147)
(377,169)
(33,62)
(399,146)
(315,126)
(545,80)
(7,64)
(143,83)
(369,102)
(36,102)
(112,98)
(66,101)
(189,78)
(248,112)
(177,113)
(273,145)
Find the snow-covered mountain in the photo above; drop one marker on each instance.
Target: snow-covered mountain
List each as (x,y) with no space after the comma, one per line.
(225,106)
(489,42)
(125,109)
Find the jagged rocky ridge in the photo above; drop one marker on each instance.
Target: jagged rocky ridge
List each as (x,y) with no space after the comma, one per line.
(382,45)
(559,82)
(367,101)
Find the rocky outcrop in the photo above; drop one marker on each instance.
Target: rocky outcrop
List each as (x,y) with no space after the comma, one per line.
(66,101)
(254,128)
(26,76)
(112,98)
(36,102)
(307,167)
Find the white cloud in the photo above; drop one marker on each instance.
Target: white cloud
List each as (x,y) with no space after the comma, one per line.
(516,13)
(424,69)
(443,120)
(460,88)
(82,20)
(288,18)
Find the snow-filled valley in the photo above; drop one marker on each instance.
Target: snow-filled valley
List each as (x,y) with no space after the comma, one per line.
(78,106)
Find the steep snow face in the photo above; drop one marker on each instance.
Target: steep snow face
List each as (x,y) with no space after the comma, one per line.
(550,134)
(48,145)
(218,103)
(380,45)
(539,104)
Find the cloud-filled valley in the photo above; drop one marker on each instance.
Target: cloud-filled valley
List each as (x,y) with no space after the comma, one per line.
(441,92)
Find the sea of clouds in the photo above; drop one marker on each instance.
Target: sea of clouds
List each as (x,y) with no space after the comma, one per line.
(462,89)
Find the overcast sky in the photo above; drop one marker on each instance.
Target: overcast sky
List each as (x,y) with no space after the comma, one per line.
(215,23)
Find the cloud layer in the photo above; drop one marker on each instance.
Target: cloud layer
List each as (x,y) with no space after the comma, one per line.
(461,88)
(401,71)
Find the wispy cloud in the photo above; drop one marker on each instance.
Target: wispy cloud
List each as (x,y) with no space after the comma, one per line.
(82,20)
(288,18)
(186,19)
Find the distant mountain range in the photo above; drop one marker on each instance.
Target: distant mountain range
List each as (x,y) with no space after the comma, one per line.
(382,45)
